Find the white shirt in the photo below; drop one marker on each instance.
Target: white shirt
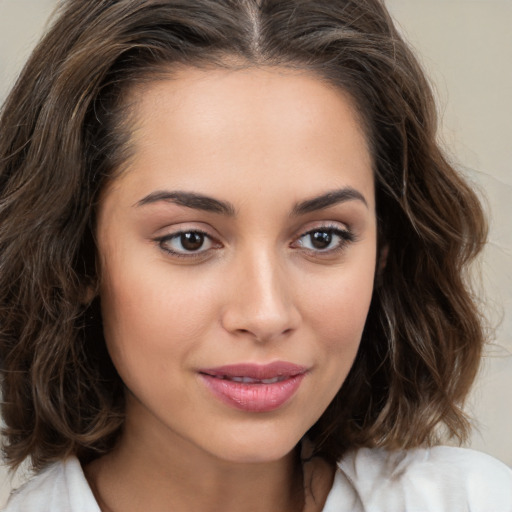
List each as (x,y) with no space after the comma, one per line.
(440,479)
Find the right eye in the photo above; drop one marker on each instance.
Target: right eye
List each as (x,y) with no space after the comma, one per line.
(186,244)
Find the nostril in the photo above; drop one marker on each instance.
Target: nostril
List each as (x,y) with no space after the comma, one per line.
(262,312)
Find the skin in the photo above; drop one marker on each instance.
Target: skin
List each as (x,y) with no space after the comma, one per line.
(257,290)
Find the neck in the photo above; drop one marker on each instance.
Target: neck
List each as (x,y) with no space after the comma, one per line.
(146,471)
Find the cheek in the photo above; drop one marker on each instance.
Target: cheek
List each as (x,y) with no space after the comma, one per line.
(336,315)
(149,316)
(337,311)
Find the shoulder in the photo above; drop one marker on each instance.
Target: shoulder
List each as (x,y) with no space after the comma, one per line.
(61,487)
(437,479)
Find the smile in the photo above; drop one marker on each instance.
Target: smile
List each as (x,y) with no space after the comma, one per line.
(250,380)
(254,388)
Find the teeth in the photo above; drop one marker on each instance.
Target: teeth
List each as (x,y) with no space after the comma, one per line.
(270,381)
(250,380)
(245,380)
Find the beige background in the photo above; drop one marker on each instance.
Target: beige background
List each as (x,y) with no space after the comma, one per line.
(466,47)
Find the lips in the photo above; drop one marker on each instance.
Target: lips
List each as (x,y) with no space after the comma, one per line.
(254,388)
(250,380)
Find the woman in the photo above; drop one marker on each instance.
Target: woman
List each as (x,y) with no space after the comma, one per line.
(233,264)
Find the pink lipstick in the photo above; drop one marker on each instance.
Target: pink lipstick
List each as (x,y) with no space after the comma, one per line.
(254,388)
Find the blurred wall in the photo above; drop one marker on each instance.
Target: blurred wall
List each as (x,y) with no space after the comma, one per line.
(22,22)
(466,47)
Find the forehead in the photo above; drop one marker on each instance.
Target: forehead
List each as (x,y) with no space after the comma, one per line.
(261,127)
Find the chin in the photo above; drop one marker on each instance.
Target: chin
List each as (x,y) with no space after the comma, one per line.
(257,449)
(256,455)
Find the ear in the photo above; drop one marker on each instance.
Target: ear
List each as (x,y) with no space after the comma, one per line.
(89,294)
(382,259)
(91,279)
(90,290)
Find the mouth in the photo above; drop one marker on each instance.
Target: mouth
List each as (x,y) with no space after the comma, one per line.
(254,388)
(280,370)
(250,380)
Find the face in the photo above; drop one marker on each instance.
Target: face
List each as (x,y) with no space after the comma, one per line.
(237,252)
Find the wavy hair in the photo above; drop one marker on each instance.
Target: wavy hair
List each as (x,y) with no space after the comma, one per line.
(64,131)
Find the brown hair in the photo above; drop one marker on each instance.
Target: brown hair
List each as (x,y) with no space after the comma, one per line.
(62,135)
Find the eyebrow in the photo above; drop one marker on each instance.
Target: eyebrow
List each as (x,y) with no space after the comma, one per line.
(190,200)
(327,200)
(212,205)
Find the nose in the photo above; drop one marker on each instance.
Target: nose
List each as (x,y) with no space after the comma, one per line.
(260,303)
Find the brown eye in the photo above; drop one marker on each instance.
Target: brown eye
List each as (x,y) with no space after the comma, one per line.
(192,241)
(186,243)
(325,240)
(321,239)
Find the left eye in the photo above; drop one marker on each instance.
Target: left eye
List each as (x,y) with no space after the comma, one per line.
(186,242)
(324,240)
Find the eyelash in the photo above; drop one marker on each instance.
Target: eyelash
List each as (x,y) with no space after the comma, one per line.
(174,236)
(345,235)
